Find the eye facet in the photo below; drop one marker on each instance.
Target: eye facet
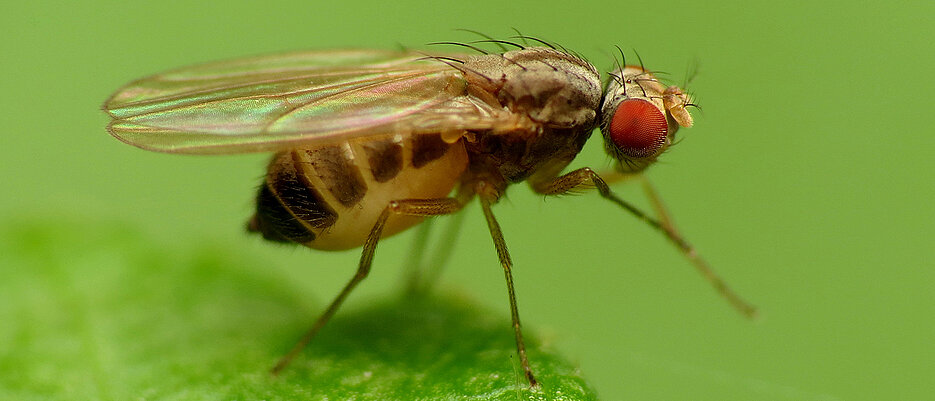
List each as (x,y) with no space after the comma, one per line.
(638,129)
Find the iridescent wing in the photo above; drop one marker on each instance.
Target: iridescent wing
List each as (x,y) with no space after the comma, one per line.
(286,100)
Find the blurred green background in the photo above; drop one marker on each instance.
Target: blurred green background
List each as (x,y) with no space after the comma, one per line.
(807,181)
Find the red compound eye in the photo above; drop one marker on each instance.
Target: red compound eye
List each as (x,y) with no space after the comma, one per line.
(638,128)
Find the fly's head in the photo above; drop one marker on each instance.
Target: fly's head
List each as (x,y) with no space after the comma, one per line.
(555,89)
(640,117)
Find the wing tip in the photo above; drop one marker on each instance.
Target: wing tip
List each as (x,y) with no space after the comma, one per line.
(145,138)
(119,134)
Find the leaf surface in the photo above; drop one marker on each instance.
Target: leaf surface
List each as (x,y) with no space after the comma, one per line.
(94,312)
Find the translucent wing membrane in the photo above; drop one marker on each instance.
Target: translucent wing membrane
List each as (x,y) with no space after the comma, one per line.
(280,101)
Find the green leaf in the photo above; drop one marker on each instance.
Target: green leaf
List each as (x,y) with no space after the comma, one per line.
(92,312)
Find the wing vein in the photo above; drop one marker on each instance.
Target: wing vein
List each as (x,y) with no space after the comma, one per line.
(287,112)
(208,91)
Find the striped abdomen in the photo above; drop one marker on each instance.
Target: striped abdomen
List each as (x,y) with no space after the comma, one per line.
(329,197)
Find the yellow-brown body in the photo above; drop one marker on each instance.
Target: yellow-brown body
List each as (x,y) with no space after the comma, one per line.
(329,197)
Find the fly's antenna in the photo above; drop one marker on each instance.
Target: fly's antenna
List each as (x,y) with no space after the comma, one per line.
(691,102)
(475,48)
(690,72)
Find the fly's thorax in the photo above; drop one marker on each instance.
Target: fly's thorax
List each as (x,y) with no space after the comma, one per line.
(514,158)
(329,197)
(553,88)
(557,92)
(640,117)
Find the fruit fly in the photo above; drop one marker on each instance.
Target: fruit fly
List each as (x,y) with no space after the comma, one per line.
(369,142)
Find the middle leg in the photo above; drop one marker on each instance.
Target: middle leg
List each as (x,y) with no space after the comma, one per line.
(487,196)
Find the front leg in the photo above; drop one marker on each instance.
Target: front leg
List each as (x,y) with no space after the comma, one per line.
(585,178)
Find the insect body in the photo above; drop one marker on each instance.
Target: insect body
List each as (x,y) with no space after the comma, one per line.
(329,197)
(370,142)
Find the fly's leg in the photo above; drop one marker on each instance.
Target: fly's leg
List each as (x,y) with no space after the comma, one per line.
(487,197)
(416,263)
(433,268)
(425,273)
(411,207)
(662,213)
(613,177)
(586,177)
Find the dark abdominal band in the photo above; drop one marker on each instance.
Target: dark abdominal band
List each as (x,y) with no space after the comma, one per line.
(285,202)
